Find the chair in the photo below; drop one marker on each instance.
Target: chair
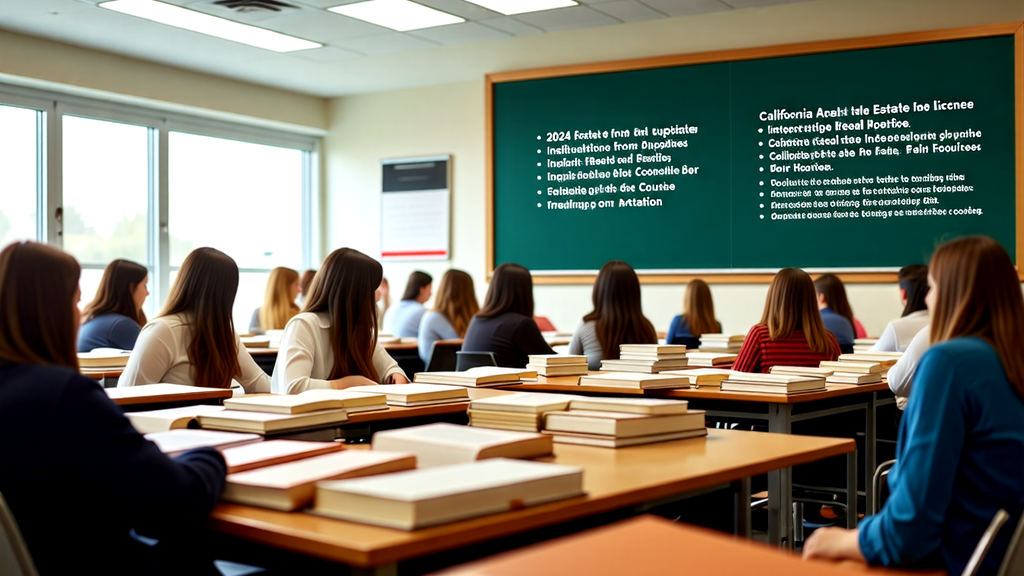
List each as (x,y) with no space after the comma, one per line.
(466,360)
(443,355)
(881,476)
(1013,560)
(978,556)
(15,559)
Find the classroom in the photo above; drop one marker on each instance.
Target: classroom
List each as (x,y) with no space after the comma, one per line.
(123,138)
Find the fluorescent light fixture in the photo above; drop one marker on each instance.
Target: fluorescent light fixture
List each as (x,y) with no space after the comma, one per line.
(172,15)
(400,15)
(509,7)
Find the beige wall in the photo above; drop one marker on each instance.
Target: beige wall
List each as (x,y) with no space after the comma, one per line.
(449,119)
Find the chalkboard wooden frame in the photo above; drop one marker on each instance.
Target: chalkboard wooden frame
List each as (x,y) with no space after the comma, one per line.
(1015,29)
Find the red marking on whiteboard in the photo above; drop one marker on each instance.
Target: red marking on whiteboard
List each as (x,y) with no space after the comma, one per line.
(415,253)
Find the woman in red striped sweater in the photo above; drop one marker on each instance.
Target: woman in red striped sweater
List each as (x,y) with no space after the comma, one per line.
(790,332)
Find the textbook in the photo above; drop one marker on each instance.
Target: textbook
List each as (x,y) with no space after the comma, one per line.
(104,358)
(854,378)
(518,411)
(721,343)
(556,359)
(885,359)
(703,377)
(621,424)
(271,452)
(255,342)
(802,371)
(852,367)
(515,421)
(646,357)
(469,378)
(293,485)
(270,423)
(648,406)
(602,441)
(519,373)
(652,350)
(772,383)
(441,444)
(416,394)
(558,364)
(432,496)
(169,418)
(643,366)
(634,380)
(864,345)
(174,442)
(308,401)
(710,359)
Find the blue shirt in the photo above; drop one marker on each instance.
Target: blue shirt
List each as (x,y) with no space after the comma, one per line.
(679,333)
(403,319)
(960,458)
(108,331)
(433,327)
(840,327)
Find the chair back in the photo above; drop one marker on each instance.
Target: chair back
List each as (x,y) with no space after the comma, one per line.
(442,355)
(466,360)
(879,481)
(981,550)
(1013,560)
(15,559)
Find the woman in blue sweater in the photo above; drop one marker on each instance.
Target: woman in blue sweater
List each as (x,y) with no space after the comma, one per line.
(960,455)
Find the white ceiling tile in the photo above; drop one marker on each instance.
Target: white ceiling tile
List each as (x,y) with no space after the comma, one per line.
(327,54)
(687,7)
(323,26)
(628,10)
(566,18)
(756,3)
(386,44)
(323,3)
(460,8)
(460,33)
(512,26)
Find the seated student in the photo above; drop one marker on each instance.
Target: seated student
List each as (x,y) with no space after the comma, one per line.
(76,474)
(901,375)
(278,302)
(960,452)
(913,290)
(698,317)
(454,307)
(505,324)
(383,302)
(835,311)
(193,341)
(403,320)
(617,317)
(333,342)
(791,332)
(114,318)
(304,283)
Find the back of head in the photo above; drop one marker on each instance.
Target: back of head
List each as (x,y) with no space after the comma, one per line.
(417,280)
(835,295)
(699,309)
(305,281)
(618,315)
(791,305)
(38,284)
(914,282)
(204,294)
(511,290)
(979,294)
(456,300)
(344,289)
(278,305)
(116,294)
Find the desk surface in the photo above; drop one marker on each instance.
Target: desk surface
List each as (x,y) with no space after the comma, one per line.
(613,479)
(164,393)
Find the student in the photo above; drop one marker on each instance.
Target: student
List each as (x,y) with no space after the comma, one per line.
(383,302)
(697,319)
(114,318)
(960,452)
(76,474)
(901,375)
(278,301)
(791,332)
(836,312)
(454,307)
(617,317)
(193,341)
(304,283)
(403,320)
(505,324)
(332,343)
(913,281)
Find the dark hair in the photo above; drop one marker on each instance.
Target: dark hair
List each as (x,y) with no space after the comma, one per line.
(699,312)
(914,281)
(305,280)
(204,293)
(617,313)
(835,295)
(345,287)
(511,290)
(417,280)
(116,294)
(790,305)
(456,300)
(37,317)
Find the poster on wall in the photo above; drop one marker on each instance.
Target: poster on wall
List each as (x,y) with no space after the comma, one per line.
(415,209)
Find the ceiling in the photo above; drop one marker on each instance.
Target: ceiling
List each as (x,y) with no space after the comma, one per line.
(357,57)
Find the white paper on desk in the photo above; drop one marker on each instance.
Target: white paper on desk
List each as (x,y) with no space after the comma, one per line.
(414,225)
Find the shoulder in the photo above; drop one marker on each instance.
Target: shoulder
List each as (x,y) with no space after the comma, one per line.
(970,352)
(164,326)
(757,332)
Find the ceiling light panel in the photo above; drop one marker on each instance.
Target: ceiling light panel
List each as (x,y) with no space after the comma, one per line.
(400,15)
(179,17)
(509,7)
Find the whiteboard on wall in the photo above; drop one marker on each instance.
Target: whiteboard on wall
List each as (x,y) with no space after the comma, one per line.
(415,209)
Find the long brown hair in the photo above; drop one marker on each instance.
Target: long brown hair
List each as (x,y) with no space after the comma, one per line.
(835,295)
(204,293)
(344,288)
(914,281)
(511,290)
(305,281)
(979,295)
(699,309)
(791,305)
(278,306)
(617,314)
(417,281)
(116,294)
(456,300)
(37,308)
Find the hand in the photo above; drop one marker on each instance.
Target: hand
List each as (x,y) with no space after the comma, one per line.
(397,378)
(833,544)
(350,381)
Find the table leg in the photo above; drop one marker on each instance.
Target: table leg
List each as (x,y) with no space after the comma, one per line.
(743,509)
(870,443)
(851,486)
(780,482)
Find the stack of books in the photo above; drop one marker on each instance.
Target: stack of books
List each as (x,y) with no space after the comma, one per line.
(521,411)
(482,377)
(773,383)
(710,359)
(407,395)
(557,364)
(635,380)
(864,344)
(721,343)
(618,422)
(309,401)
(884,359)
(702,377)
(441,444)
(850,372)
(652,352)
(802,371)
(267,418)
(101,358)
(649,360)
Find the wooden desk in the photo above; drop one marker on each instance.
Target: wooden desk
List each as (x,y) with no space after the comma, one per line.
(613,480)
(106,376)
(151,395)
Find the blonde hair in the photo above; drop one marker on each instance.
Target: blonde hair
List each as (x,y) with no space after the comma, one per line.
(456,300)
(792,305)
(278,306)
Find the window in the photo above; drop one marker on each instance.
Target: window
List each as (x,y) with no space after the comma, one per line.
(19,173)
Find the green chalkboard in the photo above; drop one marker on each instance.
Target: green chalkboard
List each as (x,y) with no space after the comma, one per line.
(855,160)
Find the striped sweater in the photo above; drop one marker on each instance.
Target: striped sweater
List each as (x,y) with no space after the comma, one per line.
(760,353)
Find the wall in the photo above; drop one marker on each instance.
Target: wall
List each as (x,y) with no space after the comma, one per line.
(449,119)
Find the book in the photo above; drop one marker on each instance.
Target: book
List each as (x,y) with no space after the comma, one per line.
(613,442)
(621,424)
(524,402)
(710,359)
(504,420)
(702,377)
(720,349)
(643,366)
(634,380)
(269,423)
(649,406)
(432,496)
(652,349)
(802,371)
(308,401)
(518,373)
(852,367)
(442,443)
(853,378)
(271,452)
(719,338)
(648,357)
(556,359)
(469,378)
(255,341)
(292,485)
(416,394)
(174,442)
(885,359)
(773,383)
(104,358)
(560,369)
(149,421)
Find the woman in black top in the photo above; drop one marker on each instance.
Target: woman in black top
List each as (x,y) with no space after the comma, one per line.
(505,324)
